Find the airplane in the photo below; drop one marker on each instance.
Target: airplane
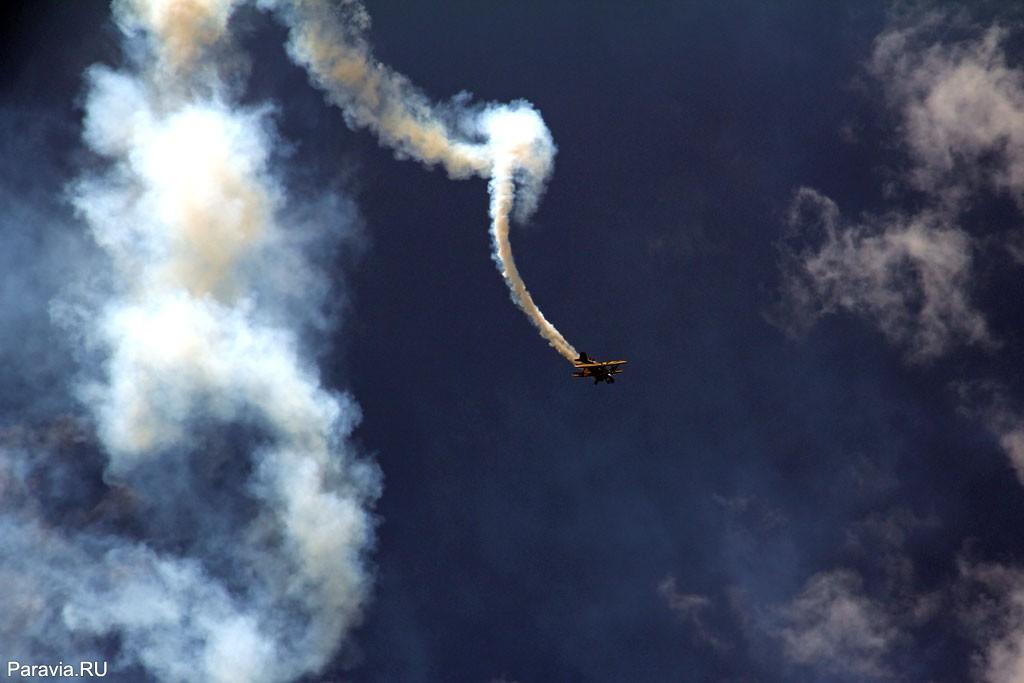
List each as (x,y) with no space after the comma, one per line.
(601,371)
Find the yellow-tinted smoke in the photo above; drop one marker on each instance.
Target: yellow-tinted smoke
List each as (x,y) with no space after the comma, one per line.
(507,143)
(181,28)
(194,337)
(514,136)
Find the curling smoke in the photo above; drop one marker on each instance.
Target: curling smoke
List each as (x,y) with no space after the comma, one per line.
(247,508)
(230,529)
(509,144)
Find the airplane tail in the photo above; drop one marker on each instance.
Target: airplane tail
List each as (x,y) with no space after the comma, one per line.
(584,358)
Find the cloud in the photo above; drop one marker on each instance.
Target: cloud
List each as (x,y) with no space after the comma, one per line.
(685,604)
(751,512)
(887,531)
(834,626)
(909,275)
(692,609)
(851,627)
(1004,417)
(992,612)
(960,105)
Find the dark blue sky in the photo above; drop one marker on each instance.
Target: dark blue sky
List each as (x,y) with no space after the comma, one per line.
(535,528)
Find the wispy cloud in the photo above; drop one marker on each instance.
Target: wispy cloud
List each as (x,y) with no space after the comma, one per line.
(852,621)
(992,612)
(959,112)
(693,609)
(910,275)
(834,626)
(1003,416)
(960,105)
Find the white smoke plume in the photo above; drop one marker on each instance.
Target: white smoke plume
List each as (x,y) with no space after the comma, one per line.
(509,144)
(227,538)
(243,553)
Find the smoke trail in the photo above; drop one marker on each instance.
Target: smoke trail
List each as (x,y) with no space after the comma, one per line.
(507,143)
(244,523)
(226,539)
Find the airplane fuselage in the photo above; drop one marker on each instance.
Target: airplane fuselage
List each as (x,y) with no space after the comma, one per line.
(601,371)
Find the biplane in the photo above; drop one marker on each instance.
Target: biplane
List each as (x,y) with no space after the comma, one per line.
(601,371)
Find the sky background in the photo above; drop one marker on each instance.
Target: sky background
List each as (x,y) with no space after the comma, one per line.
(790,482)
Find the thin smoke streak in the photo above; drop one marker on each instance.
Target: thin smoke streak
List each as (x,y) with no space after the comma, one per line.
(509,144)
